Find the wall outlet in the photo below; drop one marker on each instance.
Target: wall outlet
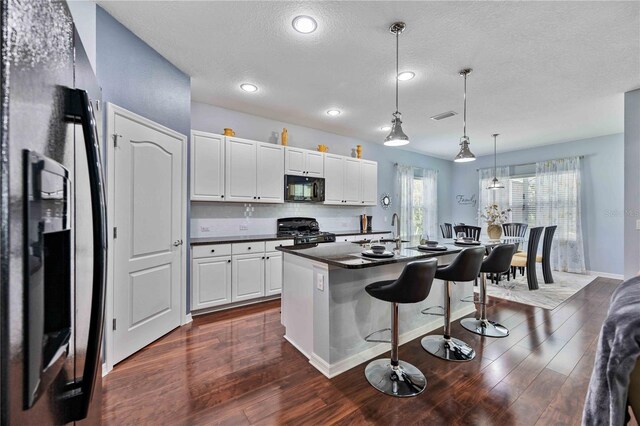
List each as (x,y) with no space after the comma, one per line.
(638,224)
(320,282)
(244,228)
(205,229)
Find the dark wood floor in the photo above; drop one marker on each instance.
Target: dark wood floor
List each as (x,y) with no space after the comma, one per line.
(235,368)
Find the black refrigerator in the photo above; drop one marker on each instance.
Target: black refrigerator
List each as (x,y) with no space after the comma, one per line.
(52,220)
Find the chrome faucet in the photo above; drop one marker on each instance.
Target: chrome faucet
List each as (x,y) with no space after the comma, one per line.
(395,220)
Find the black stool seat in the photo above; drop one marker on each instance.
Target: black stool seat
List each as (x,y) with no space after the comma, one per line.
(412,286)
(390,375)
(498,261)
(465,267)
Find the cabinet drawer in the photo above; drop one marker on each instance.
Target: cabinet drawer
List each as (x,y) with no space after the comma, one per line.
(271,245)
(247,248)
(211,250)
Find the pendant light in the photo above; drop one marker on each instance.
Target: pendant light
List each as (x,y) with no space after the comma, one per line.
(495,183)
(396,137)
(465,153)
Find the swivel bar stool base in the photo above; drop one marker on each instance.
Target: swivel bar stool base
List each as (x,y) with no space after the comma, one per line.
(450,349)
(402,380)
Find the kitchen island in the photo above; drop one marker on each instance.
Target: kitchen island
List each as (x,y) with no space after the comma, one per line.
(327,314)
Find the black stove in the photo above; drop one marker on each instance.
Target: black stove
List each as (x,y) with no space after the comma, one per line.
(303,230)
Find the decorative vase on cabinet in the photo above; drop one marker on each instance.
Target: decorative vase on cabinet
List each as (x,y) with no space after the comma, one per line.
(494,231)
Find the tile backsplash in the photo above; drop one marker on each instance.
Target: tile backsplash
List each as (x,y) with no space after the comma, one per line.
(230,219)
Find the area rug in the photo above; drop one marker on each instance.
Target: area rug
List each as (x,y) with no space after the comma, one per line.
(548,296)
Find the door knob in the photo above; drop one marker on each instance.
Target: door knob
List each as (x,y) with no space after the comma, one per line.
(177,243)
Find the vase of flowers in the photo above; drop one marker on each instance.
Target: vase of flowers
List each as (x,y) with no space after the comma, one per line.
(495,217)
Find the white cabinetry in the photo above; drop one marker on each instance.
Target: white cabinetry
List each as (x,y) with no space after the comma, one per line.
(241,170)
(350,181)
(273,273)
(270,180)
(222,274)
(369,182)
(247,276)
(211,282)
(207,166)
(303,162)
(254,171)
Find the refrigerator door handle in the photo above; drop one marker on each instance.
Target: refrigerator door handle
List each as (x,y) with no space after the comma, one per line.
(80,392)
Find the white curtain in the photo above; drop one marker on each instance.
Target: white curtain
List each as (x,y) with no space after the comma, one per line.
(404,177)
(430,203)
(558,203)
(492,196)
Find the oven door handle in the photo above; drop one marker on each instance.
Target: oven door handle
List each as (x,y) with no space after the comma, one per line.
(80,392)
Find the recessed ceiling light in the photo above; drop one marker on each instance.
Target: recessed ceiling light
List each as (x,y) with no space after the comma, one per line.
(248,87)
(385,128)
(333,112)
(406,75)
(304,24)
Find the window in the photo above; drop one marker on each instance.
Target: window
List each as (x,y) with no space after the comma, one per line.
(418,208)
(522,199)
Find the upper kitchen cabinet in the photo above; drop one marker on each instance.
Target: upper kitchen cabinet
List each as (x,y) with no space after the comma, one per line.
(207,166)
(254,171)
(350,181)
(369,182)
(270,179)
(241,170)
(303,162)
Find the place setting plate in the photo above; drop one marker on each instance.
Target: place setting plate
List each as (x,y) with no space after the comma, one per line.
(384,255)
(466,243)
(423,247)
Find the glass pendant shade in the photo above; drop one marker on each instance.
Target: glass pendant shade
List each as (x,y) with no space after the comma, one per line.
(465,154)
(396,136)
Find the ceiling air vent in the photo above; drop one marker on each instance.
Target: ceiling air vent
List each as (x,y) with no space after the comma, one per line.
(444,115)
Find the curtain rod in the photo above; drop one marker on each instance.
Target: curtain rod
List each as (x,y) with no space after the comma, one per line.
(416,167)
(526,164)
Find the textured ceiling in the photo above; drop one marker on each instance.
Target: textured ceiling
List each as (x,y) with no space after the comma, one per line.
(544,72)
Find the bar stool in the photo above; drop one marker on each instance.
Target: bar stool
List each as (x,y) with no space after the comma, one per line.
(392,376)
(465,267)
(498,262)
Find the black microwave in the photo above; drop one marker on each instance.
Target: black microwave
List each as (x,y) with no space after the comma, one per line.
(303,189)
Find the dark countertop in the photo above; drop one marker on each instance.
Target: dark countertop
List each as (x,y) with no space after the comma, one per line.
(348,255)
(266,237)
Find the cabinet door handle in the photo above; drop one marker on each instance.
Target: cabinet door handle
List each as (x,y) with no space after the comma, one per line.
(213,250)
(267,257)
(229,261)
(262,257)
(222,196)
(258,198)
(248,248)
(255,198)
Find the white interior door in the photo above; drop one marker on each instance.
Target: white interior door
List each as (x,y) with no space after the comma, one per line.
(148,250)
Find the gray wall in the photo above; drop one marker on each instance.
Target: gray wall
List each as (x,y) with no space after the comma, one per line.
(136,77)
(602,192)
(213,119)
(631,183)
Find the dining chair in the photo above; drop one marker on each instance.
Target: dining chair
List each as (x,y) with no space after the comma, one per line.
(447,230)
(528,260)
(469,231)
(545,258)
(515,229)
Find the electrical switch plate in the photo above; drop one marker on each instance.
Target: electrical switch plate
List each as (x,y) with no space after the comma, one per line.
(244,227)
(638,224)
(320,283)
(205,229)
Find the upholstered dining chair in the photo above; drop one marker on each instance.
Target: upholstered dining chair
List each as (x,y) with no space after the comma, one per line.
(447,230)
(545,258)
(529,261)
(469,231)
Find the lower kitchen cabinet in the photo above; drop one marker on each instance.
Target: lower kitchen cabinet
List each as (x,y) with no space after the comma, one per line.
(247,276)
(273,273)
(211,278)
